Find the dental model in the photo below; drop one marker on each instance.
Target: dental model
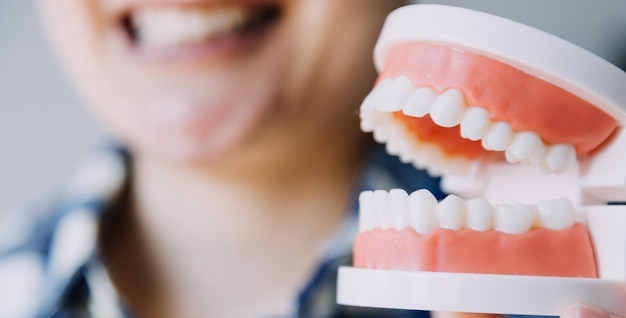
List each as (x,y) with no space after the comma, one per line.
(526,131)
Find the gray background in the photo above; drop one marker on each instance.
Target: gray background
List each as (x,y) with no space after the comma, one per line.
(44,130)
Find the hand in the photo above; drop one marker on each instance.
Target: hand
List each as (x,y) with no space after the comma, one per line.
(586,311)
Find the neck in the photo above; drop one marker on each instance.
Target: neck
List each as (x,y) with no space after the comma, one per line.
(262,227)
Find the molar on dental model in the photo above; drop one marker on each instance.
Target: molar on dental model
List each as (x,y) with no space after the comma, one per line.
(469,96)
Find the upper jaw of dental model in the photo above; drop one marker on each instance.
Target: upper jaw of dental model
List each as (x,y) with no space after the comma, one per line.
(449,109)
(420,210)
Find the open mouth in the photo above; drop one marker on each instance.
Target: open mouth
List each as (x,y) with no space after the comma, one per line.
(429,118)
(169,28)
(526,131)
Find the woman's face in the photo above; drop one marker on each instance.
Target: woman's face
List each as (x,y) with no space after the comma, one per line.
(199,79)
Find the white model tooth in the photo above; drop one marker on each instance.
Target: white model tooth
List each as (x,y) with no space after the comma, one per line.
(395,137)
(429,156)
(368,103)
(515,219)
(382,132)
(406,152)
(381,202)
(451,213)
(367,211)
(526,145)
(560,158)
(369,122)
(399,208)
(422,211)
(479,215)
(557,214)
(475,123)
(498,136)
(419,102)
(398,92)
(381,93)
(448,108)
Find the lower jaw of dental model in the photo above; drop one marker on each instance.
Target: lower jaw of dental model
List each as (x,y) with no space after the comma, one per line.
(414,232)
(447,110)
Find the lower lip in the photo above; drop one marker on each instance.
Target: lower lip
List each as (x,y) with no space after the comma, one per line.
(213,50)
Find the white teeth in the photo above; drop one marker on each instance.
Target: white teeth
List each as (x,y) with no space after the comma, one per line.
(451,213)
(560,158)
(166,26)
(379,94)
(399,202)
(381,202)
(397,210)
(557,214)
(526,145)
(498,136)
(515,219)
(371,120)
(422,211)
(448,108)
(367,211)
(475,123)
(418,104)
(398,92)
(479,215)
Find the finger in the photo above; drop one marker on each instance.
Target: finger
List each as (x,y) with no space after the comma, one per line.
(443,314)
(586,311)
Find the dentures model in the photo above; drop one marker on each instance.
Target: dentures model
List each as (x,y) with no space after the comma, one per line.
(526,131)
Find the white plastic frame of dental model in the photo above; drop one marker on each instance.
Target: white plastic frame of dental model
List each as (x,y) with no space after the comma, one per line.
(590,184)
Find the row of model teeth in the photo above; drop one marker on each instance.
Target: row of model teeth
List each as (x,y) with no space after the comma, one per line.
(449,109)
(409,148)
(420,210)
(170,26)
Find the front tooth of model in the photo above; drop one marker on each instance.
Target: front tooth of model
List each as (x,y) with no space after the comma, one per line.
(498,136)
(397,94)
(368,103)
(419,102)
(475,123)
(422,211)
(367,211)
(448,108)
(526,145)
(560,158)
(479,214)
(451,213)
(381,93)
(381,202)
(515,219)
(557,214)
(399,208)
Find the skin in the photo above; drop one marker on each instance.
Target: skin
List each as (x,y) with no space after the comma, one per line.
(231,204)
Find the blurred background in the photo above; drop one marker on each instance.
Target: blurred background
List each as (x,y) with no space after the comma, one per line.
(44,130)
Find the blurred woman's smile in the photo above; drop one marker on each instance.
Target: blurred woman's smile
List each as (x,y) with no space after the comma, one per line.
(196,29)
